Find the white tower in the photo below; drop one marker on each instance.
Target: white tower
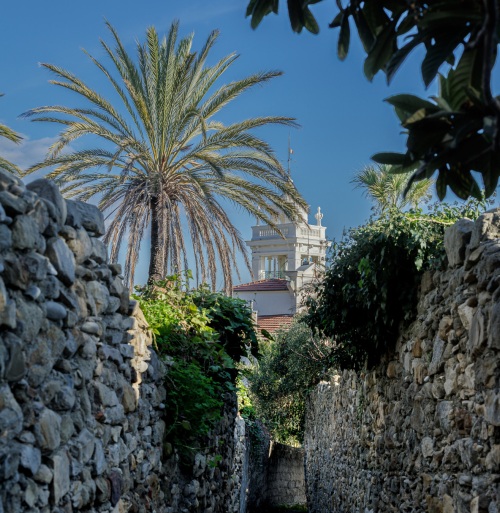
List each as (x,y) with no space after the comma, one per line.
(285,258)
(277,252)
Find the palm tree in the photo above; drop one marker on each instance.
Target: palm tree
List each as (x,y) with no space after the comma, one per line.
(9,134)
(387,190)
(166,163)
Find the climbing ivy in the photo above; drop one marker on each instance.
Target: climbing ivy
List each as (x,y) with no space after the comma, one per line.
(370,286)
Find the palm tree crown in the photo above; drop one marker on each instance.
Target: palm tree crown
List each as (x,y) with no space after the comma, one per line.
(387,190)
(8,133)
(169,162)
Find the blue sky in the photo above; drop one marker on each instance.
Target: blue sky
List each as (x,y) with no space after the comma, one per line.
(343,117)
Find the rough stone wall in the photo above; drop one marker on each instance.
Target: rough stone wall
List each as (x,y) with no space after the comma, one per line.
(81,390)
(255,479)
(421,433)
(285,476)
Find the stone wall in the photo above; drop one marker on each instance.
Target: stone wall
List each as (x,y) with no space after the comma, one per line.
(272,473)
(81,389)
(285,476)
(421,432)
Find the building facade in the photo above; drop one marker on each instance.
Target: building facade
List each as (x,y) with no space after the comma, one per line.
(285,260)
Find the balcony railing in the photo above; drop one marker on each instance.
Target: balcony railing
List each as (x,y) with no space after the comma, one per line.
(269,275)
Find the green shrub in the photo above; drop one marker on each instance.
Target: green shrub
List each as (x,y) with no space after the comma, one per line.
(200,334)
(371,284)
(289,367)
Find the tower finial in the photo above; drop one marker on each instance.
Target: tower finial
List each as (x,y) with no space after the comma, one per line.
(319,216)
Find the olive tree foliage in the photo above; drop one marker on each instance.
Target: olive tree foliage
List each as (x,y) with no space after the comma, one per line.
(454,133)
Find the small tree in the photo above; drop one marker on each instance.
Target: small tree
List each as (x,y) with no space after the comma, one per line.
(387,190)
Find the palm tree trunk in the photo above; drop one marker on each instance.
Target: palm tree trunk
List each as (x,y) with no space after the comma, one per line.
(157,251)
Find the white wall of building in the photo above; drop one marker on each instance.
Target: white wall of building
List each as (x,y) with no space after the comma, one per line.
(276,302)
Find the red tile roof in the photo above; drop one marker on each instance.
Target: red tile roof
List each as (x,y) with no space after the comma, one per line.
(262,285)
(273,323)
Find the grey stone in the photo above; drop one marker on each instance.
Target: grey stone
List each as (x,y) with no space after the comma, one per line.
(86,215)
(61,477)
(13,205)
(49,191)
(7,308)
(33,292)
(486,227)
(127,350)
(9,463)
(100,294)
(83,446)
(30,493)
(11,415)
(48,430)
(51,287)
(443,414)
(26,235)
(15,273)
(81,246)
(89,348)
(67,428)
(71,345)
(8,180)
(5,237)
(92,328)
(44,474)
(456,238)
(437,363)
(492,407)
(99,459)
(55,311)
(30,318)
(40,215)
(107,352)
(36,265)
(105,395)
(62,259)
(477,334)
(114,415)
(15,368)
(494,327)
(31,458)
(99,251)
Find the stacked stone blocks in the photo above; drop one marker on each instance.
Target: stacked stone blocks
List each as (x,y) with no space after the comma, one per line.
(421,432)
(81,389)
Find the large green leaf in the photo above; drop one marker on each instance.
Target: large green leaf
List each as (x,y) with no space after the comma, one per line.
(260,8)
(375,16)
(344,37)
(389,158)
(410,103)
(441,184)
(426,134)
(438,53)
(399,57)
(365,34)
(310,22)
(381,52)
(454,87)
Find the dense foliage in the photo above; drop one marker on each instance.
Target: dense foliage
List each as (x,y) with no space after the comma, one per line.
(200,335)
(289,367)
(459,130)
(371,284)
